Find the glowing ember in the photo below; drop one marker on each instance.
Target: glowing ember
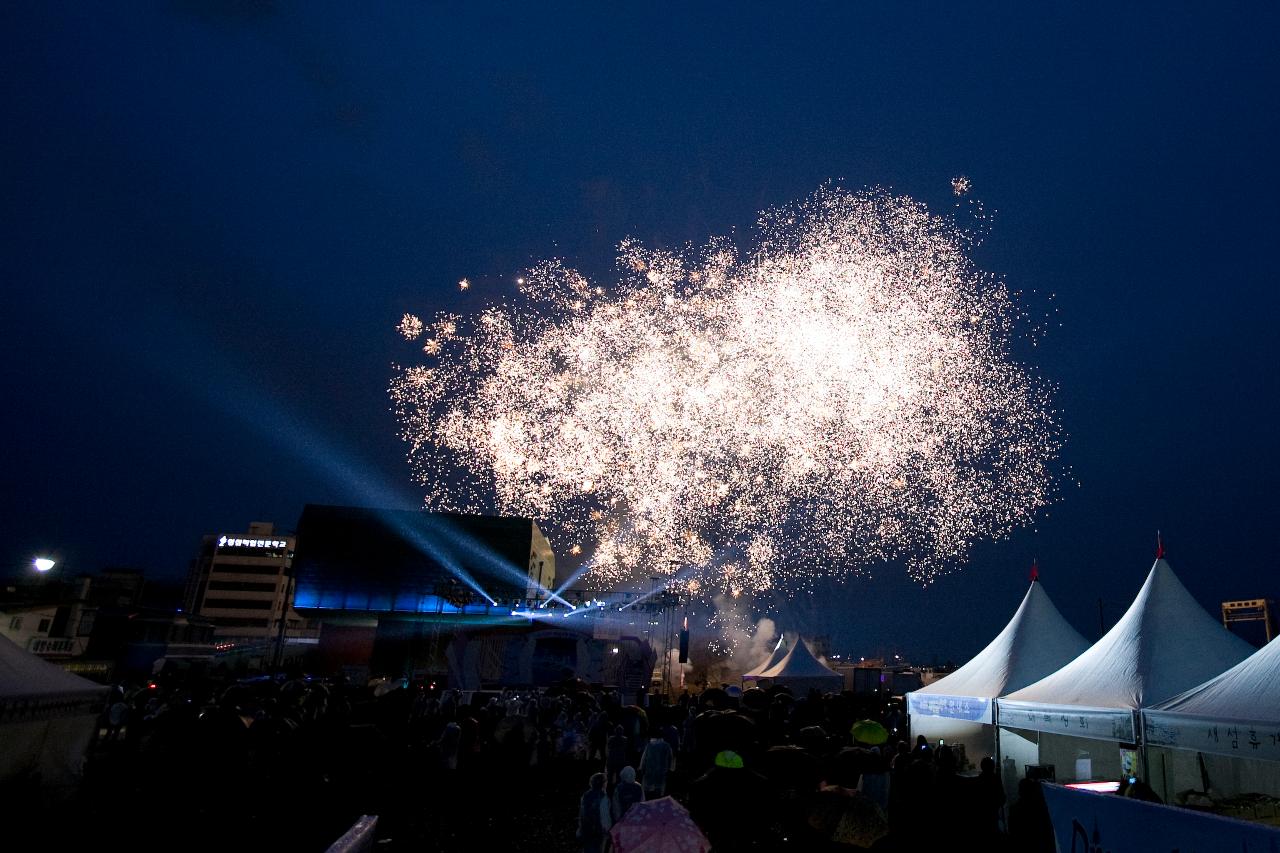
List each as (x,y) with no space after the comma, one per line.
(961,185)
(844,394)
(410,327)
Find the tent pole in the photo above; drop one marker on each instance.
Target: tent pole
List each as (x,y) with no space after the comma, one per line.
(1140,728)
(1004,801)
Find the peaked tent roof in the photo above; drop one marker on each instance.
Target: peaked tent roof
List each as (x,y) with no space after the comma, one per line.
(1036,642)
(779,652)
(1250,690)
(800,663)
(1164,644)
(1227,715)
(26,676)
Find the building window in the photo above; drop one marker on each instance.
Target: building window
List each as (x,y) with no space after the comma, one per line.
(243,586)
(239,604)
(15,624)
(44,626)
(238,569)
(242,622)
(86,623)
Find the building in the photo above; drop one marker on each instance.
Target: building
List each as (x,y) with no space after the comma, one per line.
(49,619)
(98,626)
(243,584)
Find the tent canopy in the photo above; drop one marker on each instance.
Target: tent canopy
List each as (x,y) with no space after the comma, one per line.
(47,718)
(1236,713)
(23,676)
(1164,644)
(800,663)
(1036,642)
(779,652)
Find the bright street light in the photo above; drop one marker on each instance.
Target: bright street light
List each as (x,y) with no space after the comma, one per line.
(43,564)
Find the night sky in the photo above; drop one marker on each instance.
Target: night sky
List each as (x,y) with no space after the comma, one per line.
(216,212)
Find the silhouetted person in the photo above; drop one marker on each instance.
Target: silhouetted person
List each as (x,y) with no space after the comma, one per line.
(988,798)
(655,763)
(594,818)
(731,804)
(627,793)
(1030,829)
(1139,790)
(615,757)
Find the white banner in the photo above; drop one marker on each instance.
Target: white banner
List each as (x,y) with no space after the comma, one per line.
(1084,822)
(1099,723)
(1238,738)
(972,708)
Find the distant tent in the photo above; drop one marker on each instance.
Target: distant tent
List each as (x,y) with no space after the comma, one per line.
(47,718)
(800,671)
(957,708)
(1164,644)
(779,652)
(1236,714)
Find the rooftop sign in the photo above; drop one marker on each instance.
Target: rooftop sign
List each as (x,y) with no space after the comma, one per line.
(238,542)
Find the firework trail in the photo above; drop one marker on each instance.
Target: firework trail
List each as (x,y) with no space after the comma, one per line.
(842,394)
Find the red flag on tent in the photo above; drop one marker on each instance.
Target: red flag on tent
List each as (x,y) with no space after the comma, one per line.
(1035,570)
(1159,546)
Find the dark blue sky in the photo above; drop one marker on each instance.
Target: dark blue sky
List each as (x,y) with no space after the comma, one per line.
(215,212)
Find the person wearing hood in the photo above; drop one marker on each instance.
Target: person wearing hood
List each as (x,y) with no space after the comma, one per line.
(594,818)
(655,763)
(627,793)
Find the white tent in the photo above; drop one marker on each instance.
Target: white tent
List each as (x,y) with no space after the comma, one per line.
(1236,714)
(779,652)
(800,671)
(1165,643)
(47,718)
(957,708)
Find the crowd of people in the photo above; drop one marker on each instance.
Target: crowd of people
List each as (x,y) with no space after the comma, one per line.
(756,770)
(768,770)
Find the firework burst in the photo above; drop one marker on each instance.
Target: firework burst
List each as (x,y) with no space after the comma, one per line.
(842,394)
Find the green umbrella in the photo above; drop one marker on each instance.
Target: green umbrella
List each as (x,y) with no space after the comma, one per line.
(869,731)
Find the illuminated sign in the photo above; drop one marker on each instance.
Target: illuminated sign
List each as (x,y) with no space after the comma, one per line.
(237,542)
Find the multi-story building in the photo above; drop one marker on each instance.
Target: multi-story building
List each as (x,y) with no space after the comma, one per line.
(242,582)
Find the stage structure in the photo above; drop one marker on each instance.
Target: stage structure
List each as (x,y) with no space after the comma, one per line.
(464,601)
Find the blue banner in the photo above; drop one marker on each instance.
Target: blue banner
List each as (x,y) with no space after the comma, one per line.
(971,708)
(1084,822)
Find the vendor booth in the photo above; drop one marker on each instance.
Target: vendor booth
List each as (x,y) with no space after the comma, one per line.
(957,709)
(47,720)
(1080,723)
(1217,746)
